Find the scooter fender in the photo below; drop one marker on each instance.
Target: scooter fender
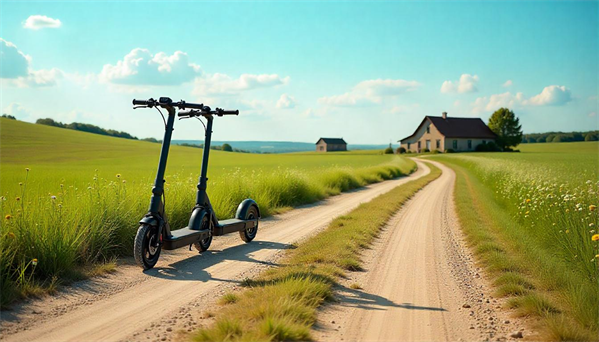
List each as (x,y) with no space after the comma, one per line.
(195,221)
(149,220)
(243,208)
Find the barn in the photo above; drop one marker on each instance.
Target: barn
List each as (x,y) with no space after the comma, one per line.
(331,144)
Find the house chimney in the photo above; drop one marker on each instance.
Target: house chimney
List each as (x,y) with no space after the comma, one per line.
(444,114)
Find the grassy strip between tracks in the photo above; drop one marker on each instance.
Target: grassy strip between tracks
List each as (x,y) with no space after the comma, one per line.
(538,283)
(280,305)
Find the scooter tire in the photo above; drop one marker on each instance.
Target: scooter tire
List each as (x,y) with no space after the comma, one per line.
(249,234)
(145,255)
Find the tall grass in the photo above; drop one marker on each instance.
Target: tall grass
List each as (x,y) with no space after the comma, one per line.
(48,236)
(532,218)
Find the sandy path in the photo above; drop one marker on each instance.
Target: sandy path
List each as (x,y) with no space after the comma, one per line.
(133,305)
(420,282)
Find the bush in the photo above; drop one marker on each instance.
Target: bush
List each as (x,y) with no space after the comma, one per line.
(401,150)
(388,150)
(450,150)
(227,148)
(8,116)
(426,150)
(436,151)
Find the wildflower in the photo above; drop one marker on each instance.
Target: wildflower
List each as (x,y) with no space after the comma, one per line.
(18,199)
(11,235)
(124,181)
(27,169)
(595,237)
(20,183)
(592,207)
(118,175)
(528,200)
(567,231)
(34,262)
(591,224)
(7,217)
(53,197)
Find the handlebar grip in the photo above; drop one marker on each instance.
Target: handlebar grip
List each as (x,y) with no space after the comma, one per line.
(139,102)
(230,112)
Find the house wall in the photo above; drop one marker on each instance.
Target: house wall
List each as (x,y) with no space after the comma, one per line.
(462,144)
(324,147)
(422,136)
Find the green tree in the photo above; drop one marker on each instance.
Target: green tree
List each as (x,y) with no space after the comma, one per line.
(507,126)
(227,148)
(388,150)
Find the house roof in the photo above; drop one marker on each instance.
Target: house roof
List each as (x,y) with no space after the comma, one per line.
(334,141)
(451,127)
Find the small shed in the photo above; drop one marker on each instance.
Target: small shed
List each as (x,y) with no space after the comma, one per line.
(331,144)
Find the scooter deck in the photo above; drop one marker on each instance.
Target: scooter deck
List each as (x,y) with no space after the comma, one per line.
(185,236)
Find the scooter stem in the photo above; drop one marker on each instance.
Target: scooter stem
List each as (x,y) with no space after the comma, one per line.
(158,188)
(203,180)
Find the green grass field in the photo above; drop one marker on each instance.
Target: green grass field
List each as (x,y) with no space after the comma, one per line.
(71,199)
(531,218)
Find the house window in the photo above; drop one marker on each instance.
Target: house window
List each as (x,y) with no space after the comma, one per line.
(438,144)
(419,144)
(428,129)
(409,145)
(428,145)
(469,144)
(455,144)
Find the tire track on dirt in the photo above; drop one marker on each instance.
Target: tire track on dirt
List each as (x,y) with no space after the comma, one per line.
(420,284)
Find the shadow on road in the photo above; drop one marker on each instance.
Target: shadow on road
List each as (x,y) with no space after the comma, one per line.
(193,268)
(363,300)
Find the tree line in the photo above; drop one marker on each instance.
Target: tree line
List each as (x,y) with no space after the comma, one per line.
(89,128)
(560,137)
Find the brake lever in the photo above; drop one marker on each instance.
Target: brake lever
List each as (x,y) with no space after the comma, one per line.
(135,107)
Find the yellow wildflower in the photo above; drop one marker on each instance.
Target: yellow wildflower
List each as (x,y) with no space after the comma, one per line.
(595,237)
(592,207)
(18,198)
(11,235)
(118,175)
(34,262)
(7,217)
(528,200)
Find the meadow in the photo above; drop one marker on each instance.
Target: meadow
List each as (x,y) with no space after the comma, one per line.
(532,219)
(71,199)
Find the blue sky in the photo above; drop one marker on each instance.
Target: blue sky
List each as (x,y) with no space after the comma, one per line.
(368,72)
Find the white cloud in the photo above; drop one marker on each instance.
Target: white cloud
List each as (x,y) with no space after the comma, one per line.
(36,22)
(15,63)
(286,102)
(552,95)
(18,111)
(221,84)
(369,92)
(507,83)
(140,67)
(15,66)
(466,84)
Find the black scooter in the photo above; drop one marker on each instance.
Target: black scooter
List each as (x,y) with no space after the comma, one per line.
(154,232)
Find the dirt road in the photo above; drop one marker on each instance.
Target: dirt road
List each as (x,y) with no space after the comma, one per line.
(420,282)
(133,305)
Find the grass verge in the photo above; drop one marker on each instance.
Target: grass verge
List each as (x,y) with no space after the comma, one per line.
(537,282)
(280,305)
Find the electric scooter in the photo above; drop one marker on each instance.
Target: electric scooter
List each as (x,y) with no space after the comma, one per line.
(154,232)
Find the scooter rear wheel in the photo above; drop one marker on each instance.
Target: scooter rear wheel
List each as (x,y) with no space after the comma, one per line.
(203,245)
(249,234)
(146,255)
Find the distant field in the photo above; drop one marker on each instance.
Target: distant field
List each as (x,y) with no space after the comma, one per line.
(71,198)
(531,218)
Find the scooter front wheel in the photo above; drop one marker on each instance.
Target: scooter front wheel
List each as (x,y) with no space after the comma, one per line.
(146,254)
